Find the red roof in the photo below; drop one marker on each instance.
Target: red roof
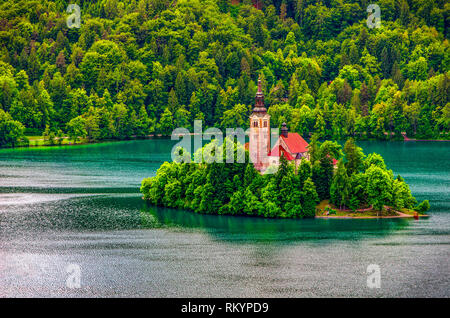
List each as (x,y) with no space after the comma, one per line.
(276,153)
(295,143)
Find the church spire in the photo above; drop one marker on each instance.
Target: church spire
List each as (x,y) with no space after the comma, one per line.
(259,100)
(284,130)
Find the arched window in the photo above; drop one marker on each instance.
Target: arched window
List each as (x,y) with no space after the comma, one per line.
(255,124)
(265,123)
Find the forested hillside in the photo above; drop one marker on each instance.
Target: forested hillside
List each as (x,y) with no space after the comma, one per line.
(137,67)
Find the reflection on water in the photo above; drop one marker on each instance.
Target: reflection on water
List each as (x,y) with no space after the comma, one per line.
(80,205)
(124,212)
(273,231)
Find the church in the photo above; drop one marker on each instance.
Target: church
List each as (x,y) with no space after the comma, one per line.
(289,144)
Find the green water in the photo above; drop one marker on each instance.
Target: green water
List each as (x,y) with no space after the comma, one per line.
(81,205)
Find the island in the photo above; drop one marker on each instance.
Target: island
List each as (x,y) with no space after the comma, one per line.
(293,179)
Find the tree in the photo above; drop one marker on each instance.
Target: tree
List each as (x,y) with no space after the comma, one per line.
(404,12)
(283,11)
(49,136)
(344,93)
(60,136)
(374,159)
(364,98)
(309,198)
(11,131)
(304,172)
(238,188)
(76,128)
(181,118)
(423,207)
(173,101)
(235,117)
(340,187)
(322,174)
(379,187)
(329,150)
(119,115)
(370,63)
(357,191)
(91,125)
(165,125)
(401,195)
(283,170)
(354,157)
(321,70)
(173,194)
(417,70)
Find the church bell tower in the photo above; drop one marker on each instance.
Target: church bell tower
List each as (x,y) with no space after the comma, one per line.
(259,145)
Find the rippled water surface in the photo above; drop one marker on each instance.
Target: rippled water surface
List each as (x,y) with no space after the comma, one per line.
(81,205)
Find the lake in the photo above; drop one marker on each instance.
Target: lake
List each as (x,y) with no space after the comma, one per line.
(80,206)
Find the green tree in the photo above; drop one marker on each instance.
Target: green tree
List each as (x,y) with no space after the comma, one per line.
(165,125)
(235,117)
(11,131)
(401,195)
(374,159)
(309,198)
(340,187)
(76,128)
(354,157)
(379,187)
(423,207)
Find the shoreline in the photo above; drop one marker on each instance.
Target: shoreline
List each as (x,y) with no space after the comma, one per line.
(399,216)
(84,143)
(409,139)
(388,212)
(152,136)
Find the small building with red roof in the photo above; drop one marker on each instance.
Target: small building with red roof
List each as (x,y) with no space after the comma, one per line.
(291,145)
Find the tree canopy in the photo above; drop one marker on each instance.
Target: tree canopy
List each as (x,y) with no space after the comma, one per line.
(290,192)
(141,67)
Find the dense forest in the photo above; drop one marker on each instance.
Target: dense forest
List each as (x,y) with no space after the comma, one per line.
(137,67)
(287,192)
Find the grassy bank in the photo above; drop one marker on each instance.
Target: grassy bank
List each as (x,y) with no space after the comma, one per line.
(327,210)
(39,141)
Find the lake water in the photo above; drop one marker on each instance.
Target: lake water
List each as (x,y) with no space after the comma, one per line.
(81,205)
